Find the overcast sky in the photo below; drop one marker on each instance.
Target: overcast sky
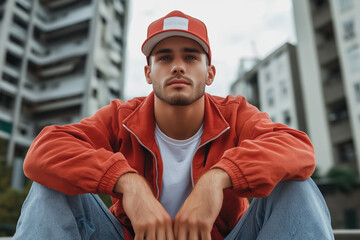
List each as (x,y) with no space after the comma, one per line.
(237,29)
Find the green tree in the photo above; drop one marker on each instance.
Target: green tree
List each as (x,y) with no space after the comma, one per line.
(343,177)
(10,201)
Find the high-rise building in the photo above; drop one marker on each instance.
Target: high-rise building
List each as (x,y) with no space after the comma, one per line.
(273,85)
(60,61)
(328,33)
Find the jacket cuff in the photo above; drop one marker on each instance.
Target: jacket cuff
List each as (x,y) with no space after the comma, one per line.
(108,181)
(237,177)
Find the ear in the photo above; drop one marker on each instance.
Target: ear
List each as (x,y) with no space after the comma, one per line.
(147,70)
(211,75)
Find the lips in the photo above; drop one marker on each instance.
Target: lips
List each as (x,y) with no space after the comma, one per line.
(178,82)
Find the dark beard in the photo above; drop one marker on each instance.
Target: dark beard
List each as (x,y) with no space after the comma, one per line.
(179,100)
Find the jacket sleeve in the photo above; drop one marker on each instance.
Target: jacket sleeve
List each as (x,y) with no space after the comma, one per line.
(79,158)
(267,153)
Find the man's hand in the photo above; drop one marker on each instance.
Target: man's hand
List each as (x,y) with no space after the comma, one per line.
(148,217)
(197,215)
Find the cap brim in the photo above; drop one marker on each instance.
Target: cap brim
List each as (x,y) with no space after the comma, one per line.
(150,43)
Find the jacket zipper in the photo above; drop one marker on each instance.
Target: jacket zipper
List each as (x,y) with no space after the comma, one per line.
(156,162)
(200,146)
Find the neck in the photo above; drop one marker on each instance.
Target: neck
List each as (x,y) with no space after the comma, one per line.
(179,122)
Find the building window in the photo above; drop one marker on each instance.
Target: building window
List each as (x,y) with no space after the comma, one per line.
(349,29)
(100,75)
(357,91)
(20,22)
(270,97)
(10,79)
(103,20)
(279,61)
(287,117)
(346,152)
(115,93)
(338,112)
(267,76)
(346,5)
(94,93)
(354,58)
(283,88)
(6,101)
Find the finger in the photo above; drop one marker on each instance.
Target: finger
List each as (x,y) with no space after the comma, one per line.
(205,235)
(150,234)
(193,234)
(176,227)
(160,233)
(139,236)
(182,233)
(169,232)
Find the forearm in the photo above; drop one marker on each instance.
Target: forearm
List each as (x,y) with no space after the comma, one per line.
(62,158)
(131,183)
(215,177)
(197,215)
(258,165)
(148,217)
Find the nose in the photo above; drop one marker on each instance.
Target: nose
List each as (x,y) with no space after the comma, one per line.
(178,67)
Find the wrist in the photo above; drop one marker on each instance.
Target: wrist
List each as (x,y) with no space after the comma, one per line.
(130,182)
(217,178)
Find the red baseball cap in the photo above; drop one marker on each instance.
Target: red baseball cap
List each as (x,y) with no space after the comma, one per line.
(176,23)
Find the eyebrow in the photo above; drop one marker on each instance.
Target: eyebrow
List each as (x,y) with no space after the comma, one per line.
(165,50)
(187,50)
(192,50)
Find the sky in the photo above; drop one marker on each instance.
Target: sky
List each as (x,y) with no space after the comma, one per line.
(236,28)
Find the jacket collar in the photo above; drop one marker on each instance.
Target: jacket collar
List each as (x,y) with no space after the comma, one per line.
(141,122)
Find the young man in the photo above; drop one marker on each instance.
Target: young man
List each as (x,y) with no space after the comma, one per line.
(179,163)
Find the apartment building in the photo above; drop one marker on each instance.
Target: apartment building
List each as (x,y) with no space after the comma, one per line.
(328,33)
(60,61)
(273,85)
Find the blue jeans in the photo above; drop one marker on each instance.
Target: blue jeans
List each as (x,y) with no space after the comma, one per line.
(294,210)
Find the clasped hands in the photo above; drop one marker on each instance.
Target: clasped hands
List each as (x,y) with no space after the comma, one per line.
(195,218)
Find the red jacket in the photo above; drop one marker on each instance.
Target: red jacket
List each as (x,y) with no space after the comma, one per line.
(90,156)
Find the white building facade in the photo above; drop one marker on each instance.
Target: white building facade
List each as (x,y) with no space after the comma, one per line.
(329,57)
(272,85)
(60,61)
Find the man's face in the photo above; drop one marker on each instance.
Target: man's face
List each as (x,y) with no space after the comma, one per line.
(179,71)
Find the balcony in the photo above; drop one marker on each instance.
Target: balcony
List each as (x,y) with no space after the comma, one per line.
(8,87)
(22,14)
(333,91)
(340,131)
(12,71)
(16,49)
(18,32)
(24,141)
(60,104)
(42,56)
(118,6)
(26,129)
(49,23)
(5,122)
(53,4)
(322,16)
(25,4)
(327,52)
(56,89)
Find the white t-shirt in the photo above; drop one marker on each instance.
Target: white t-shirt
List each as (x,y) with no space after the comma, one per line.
(177,156)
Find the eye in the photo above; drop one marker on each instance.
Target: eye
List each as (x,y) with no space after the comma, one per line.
(164,58)
(190,58)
